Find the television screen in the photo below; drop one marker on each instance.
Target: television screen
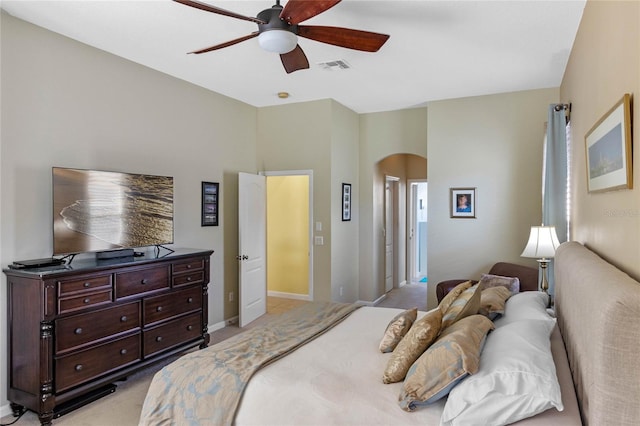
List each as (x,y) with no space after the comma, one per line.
(98,211)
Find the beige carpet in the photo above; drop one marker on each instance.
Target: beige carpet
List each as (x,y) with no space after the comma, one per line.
(123,407)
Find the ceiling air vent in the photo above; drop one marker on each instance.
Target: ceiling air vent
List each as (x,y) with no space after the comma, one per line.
(335,65)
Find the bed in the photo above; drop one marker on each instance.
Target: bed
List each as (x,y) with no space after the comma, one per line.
(330,370)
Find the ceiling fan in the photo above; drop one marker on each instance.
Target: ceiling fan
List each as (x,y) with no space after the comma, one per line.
(278,31)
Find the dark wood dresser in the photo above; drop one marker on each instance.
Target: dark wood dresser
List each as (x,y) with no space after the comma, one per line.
(75,329)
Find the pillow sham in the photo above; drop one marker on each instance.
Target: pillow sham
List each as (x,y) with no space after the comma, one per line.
(517,378)
(419,337)
(396,329)
(454,356)
(528,305)
(493,300)
(466,304)
(450,297)
(489,280)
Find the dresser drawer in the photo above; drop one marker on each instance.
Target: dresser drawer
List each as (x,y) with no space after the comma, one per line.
(172,333)
(84,300)
(78,330)
(196,277)
(89,283)
(188,265)
(80,367)
(172,304)
(141,281)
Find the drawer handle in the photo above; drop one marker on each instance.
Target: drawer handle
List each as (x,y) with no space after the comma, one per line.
(87,300)
(188,278)
(78,367)
(159,339)
(190,300)
(78,330)
(87,284)
(159,309)
(123,351)
(144,281)
(123,318)
(189,327)
(188,266)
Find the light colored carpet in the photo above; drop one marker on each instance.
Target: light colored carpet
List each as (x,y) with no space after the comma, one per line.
(124,406)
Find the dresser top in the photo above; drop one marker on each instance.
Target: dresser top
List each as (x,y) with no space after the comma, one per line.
(91,264)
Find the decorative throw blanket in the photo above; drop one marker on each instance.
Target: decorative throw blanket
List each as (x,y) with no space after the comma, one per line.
(206,386)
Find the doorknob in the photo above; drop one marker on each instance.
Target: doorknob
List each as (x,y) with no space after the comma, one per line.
(243,257)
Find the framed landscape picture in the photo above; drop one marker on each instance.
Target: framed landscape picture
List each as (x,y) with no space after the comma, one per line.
(608,149)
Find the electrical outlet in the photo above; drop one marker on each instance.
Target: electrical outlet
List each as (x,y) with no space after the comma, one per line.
(230,296)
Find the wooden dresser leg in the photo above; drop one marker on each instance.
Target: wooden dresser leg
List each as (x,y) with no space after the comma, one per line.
(16,409)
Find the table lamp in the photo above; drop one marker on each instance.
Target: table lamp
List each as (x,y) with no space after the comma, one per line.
(542,245)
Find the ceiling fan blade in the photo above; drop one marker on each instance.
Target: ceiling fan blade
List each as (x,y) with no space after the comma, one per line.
(344,37)
(296,11)
(294,60)
(213,9)
(226,44)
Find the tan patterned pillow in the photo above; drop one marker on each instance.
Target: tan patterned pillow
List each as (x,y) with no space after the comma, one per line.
(448,299)
(413,344)
(454,356)
(397,328)
(466,304)
(492,301)
(488,280)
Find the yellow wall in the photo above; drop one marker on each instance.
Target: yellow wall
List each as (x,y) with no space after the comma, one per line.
(604,64)
(288,234)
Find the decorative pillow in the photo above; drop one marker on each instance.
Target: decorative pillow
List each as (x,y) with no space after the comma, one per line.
(448,299)
(524,306)
(488,280)
(397,328)
(492,301)
(454,356)
(421,334)
(517,378)
(466,304)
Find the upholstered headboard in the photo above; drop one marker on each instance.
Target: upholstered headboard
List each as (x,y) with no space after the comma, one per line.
(598,310)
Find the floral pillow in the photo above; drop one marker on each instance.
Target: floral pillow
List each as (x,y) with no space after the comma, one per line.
(397,328)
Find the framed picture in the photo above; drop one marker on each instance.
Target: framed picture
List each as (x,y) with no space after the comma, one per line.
(210,204)
(346,201)
(463,202)
(608,149)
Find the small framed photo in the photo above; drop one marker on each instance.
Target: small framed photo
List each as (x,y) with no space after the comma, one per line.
(608,149)
(346,202)
(463,202)
(210,204)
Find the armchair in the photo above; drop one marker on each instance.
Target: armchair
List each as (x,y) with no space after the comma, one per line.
(528,278)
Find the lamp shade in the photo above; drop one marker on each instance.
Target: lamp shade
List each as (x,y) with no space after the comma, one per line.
(278,41)
(543,242)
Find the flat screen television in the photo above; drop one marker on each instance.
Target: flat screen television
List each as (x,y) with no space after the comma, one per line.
(97,211)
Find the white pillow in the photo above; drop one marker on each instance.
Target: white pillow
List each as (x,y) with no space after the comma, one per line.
(517,378)
(528,305)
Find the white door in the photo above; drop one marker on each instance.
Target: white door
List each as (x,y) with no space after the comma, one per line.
(389,235)
(252,216)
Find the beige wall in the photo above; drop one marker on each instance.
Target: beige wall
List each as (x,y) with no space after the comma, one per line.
(604,65)
(492,143)
(381,135)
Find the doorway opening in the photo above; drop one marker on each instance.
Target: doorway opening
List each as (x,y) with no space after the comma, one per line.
(418,231)
(289,234)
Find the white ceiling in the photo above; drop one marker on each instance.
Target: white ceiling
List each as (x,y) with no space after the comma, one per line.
(437,49)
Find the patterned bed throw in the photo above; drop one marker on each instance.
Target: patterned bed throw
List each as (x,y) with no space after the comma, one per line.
(206,386)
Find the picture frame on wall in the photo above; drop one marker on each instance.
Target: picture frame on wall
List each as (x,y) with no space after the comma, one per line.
(210,199)
(462,202)
(346,202)
(608,149)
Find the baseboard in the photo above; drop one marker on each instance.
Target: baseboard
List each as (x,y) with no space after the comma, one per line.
(221,324)
(374,303)
(402,284)
(5,410)
(284,295)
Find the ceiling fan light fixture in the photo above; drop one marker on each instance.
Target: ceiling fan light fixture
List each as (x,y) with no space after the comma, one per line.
(278,41)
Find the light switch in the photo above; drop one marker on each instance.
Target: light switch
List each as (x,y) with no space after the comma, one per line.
(318,226)
(319,240)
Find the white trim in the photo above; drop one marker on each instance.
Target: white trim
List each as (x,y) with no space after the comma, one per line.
(284,295)
(374,303)
(5,410)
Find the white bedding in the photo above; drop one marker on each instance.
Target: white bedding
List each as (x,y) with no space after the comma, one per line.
(337,380)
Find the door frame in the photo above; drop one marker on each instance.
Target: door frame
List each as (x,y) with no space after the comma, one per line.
(412,234)
(394,187)
(309,173)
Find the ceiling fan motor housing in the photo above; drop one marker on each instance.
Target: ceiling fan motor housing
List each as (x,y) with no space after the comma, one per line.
(273,21)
